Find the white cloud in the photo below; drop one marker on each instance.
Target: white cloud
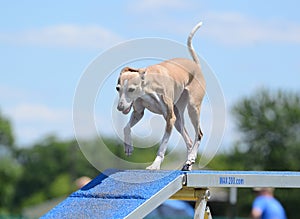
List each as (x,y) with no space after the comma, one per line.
(32,122)
(63,35)
(233,28)
(224,27)
(38,112)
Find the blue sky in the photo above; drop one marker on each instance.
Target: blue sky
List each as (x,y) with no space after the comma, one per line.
(45,46)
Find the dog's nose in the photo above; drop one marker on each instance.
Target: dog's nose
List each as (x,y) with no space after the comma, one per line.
(120,107)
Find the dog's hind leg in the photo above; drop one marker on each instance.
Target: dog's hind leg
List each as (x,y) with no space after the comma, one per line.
(194,113)
(179,108)
(194,105)
(179,125)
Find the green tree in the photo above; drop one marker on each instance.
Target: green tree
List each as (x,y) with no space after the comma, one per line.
(270,126)
(6,134)
(50,168)
(10,170)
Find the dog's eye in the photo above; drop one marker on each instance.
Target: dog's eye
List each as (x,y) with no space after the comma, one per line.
(118,88)
(131,89)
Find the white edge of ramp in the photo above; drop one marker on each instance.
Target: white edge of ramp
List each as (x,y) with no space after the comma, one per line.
(150,204)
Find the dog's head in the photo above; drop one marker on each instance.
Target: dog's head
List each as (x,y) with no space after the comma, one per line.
(129,87)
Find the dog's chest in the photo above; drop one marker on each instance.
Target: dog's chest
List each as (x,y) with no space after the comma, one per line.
(153,103)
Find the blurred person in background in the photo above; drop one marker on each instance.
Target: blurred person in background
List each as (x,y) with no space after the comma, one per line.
(266,206)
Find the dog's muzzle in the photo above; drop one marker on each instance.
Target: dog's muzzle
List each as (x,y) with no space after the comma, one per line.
(123,109)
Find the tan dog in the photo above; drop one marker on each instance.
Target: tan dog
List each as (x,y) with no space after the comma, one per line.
(166,89)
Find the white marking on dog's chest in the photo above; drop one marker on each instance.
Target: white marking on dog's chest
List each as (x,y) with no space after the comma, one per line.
(154,103)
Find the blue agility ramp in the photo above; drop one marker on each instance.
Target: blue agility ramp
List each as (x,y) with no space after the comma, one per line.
(135,193)
(120,194)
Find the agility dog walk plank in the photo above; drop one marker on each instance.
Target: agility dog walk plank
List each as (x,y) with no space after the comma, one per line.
(120,194)
(243,179)
(135,193)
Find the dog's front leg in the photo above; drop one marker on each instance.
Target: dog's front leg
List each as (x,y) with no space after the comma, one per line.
(135,117)
(170,121)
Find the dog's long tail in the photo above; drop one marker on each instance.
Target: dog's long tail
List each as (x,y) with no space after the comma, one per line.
(189,43)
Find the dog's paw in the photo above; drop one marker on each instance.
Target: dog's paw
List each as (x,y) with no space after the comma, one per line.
(190,160)
(153,167)
(156,164)
(128,149)
(187,167)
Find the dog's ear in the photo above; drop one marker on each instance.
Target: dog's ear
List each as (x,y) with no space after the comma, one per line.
(141,72)
(125,69)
